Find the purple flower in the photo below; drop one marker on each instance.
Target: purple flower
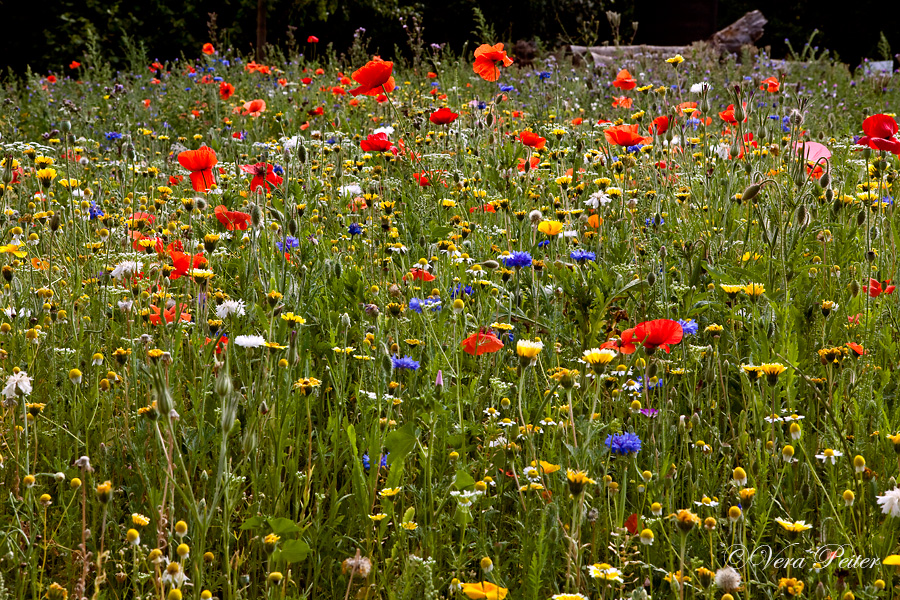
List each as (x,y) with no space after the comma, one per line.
(650,412)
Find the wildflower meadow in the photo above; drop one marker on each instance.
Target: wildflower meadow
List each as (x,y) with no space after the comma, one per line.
(449,327)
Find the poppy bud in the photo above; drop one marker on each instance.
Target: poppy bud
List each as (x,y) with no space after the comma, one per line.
(256,216)
(751,192)
(796,117)
(825,180)
(66,126)
(860,218)
(867,152)
(829,195)
(651,279)
(748,168)
(54,222)
(489,119)
(870,256)
(301,153)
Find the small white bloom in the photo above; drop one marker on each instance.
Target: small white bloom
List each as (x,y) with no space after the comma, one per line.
(230,307)
(17,382)
(249,341)
(890,502)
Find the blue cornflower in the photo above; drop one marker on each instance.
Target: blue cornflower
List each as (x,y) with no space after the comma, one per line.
(113,135)
(688,326)
(405,363)
(354,229)
(367,463)
(544,75)
(278,169)
(506,88)
(623,443)
(634,149)
(652,222)
(543,243)
(517,260)
(482,105)
(418,305)
(461,291)
(581,256)
(435,84)
(331,141)
(288,243)
(95,211)
(218,79)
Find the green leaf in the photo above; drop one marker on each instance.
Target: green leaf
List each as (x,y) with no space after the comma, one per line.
(283,526)
(253,523)
(294,551)
(463,480)
(400,442)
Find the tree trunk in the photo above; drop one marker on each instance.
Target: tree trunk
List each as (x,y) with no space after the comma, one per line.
(260,30)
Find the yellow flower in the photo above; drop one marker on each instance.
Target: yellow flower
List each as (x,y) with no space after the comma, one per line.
(484,590)
(792,586)
(389,492)
(546,467)
(13,249)
(795,527)
(46,176)
(675,60)
(686,520)
(139,520)
(754,290)
(551,228)
(577,481)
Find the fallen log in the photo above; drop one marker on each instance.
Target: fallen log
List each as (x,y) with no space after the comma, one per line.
(745,31)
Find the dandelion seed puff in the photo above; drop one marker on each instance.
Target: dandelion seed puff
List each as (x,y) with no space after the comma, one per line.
(728,579)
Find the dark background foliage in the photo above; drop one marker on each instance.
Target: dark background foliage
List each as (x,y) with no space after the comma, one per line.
(47,36)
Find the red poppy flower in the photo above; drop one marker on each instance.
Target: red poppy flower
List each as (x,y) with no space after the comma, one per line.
(183,263)
(660,333)
(51,79)
(680,107)
(622,102)
(486,59)
(176,179)
(254,108)
(74,64)
(770,84)
(625,135)
(312,40)
(170,314)
(532,140)
(631,524)
(374,77)
(376,142)
(481,343)
(419,275)
(155,245)
(533,163)
(221,345)
(659,125)
(624,80)
(876,288)
(263,175)
(856,348)
(488,208)
(727,115)
(880,130)
(422,179)
(208,49)
(443,116)
(232,219)
(200,163)
(226,90)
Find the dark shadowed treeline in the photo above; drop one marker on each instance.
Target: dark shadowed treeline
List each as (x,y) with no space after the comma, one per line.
(49,37)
